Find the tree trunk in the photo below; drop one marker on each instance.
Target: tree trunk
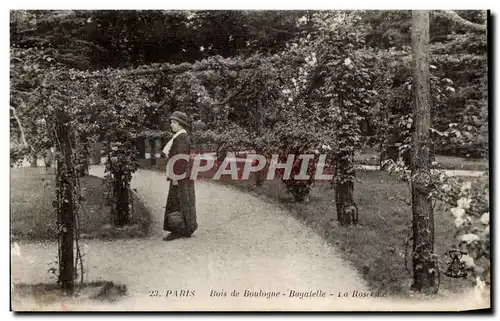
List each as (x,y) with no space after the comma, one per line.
(65,172)
(425,273)
(122,201)
(347,211)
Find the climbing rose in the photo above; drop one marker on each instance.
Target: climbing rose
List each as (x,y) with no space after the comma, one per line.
(464,203)
(446,188)
(458,212)
(468,260)
(459,222)
(485,218)
(466,186)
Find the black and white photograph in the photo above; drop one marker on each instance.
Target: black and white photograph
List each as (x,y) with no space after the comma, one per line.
(250,160)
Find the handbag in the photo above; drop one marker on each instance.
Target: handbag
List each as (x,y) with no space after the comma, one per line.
(175,221)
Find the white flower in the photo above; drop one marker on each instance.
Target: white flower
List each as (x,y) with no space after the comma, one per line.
(469,238)
(114,148)
(316,151)
(485,218)
(290,99)
(347,62)
(464,203)
(469,261)
(202,48)
(446,188)
(479,289)
(302,20)
(459,222)
(466,186)
(457,212)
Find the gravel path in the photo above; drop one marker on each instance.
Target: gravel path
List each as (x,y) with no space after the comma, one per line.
(242,243)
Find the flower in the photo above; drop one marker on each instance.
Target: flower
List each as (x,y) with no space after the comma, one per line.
(464,203)
(114,148)
(469,238)
(480,288)
(468,260)
(466,186)
(302,20)
(446,188)
(485,218)
(457,212)
(347,61)
(459,222)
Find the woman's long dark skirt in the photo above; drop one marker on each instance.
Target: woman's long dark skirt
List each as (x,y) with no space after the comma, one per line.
(181,198)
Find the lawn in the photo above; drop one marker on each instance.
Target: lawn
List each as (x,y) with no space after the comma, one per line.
(376,246)
(369,156)
(32,191)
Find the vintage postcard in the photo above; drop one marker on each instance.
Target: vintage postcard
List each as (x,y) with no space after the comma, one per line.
(249,160)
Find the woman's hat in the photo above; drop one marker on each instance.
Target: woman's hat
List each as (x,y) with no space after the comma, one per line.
(181,117)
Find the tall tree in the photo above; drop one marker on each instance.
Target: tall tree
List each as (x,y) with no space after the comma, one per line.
(425,273)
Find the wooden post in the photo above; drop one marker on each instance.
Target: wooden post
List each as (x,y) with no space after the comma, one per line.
(153,151)
(158,147)
(34,160)
(96,153)
(147,148)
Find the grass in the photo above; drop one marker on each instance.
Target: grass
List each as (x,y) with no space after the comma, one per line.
(376,246)
(370,157)
(32,192)
(49,293)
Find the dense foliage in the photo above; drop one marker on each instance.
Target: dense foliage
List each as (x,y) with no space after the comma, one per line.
(274,82)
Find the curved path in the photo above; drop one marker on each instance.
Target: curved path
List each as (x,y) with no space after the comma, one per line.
(242,243)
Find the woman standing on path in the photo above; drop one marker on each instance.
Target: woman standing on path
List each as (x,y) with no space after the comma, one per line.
(180,210)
